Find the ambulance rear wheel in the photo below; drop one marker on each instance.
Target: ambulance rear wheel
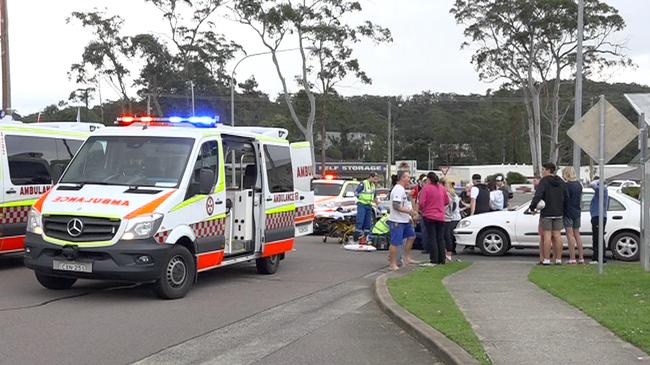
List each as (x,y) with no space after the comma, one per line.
(55,282)
(177,274)
(268,265)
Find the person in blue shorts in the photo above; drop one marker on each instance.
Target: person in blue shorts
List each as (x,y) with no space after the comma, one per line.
(400,221)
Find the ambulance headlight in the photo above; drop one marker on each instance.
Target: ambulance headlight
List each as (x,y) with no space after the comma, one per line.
(34,224)
(142,227)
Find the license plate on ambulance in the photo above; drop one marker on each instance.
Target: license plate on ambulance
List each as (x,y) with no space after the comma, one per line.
(303,229)
(76,266)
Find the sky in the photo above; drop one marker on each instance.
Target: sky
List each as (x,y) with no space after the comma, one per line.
(425,54)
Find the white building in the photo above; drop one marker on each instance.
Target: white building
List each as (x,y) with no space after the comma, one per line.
(464,173)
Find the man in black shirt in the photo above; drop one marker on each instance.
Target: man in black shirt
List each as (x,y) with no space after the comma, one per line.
(480,196)
(552,190)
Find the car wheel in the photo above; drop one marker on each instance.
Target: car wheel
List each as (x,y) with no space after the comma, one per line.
(55,282)
(177,275)
(493,242)
(267,265)
(625,246)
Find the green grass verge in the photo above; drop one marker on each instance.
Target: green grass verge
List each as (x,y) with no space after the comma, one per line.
(422,293)
(619,299)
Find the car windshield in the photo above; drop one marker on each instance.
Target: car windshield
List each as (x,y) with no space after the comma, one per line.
(131,161)
(327,189)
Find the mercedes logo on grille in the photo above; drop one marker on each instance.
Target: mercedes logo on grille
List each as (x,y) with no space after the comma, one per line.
(75,227)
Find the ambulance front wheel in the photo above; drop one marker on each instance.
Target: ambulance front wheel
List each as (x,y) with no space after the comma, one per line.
(55,282)
(177,274)
(268,265)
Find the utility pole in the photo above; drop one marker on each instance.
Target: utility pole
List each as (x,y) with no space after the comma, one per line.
(192,91)
(389,147)
(578,94)
(4,44)
(101,102)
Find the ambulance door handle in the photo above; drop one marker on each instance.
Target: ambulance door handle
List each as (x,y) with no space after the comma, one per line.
(11,191)
(269,199)
(218,202)
(302,197)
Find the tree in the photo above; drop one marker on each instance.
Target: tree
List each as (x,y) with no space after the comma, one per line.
(560,38)
(530,44)
(272,22)
(158,73)
(331,42)
(200,53)
(105,55)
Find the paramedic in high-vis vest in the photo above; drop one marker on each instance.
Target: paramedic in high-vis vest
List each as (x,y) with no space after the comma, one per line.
(366,196)
(380,232)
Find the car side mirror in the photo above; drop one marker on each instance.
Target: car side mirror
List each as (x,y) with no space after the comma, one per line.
(206,180)
(349,194)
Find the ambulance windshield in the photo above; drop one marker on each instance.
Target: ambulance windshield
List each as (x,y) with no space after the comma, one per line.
(327,189)
(131,161)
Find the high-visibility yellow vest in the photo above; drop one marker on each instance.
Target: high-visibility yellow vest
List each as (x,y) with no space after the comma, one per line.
(367,195)
(381,226)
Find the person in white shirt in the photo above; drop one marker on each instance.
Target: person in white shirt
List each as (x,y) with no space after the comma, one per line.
(400,221)
(496,197)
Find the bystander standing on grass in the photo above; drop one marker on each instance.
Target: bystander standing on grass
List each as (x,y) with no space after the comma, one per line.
(572,215)
(593,209)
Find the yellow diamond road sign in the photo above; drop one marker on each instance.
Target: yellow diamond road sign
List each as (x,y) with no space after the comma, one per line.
(619,132)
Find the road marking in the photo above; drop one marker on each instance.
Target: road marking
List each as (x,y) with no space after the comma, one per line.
(271,330)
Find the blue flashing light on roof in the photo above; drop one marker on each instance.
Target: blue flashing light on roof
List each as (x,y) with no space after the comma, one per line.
(203,120)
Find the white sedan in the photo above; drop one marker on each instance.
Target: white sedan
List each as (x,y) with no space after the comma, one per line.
(496,232)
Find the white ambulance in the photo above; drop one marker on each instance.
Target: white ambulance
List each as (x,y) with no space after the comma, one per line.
(33,156)
(152,203)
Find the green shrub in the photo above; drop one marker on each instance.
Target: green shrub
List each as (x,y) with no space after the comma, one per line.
(515,178)
(633,191)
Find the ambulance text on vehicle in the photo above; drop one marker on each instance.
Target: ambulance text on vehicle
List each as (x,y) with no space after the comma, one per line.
(159,204)
(33,157)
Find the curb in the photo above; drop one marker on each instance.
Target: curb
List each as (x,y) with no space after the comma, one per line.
(445,349)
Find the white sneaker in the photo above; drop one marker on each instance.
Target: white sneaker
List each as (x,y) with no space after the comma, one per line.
(428,264)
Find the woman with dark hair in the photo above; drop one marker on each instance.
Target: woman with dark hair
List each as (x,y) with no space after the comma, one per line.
(433,200)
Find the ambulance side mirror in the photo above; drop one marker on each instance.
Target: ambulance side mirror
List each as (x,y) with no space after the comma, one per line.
(206,180)
(57,171)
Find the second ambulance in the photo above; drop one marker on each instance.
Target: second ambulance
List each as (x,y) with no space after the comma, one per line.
(148,203)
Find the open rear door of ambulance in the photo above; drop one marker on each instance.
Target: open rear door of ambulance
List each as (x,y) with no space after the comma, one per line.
(303,173)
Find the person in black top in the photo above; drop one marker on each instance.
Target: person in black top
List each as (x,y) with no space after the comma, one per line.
(480,196)
(552,190)
(507,193)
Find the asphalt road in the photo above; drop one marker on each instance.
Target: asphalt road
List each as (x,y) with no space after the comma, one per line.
(318,308)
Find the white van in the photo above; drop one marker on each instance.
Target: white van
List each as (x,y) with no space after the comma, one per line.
(159,204)
(33,157)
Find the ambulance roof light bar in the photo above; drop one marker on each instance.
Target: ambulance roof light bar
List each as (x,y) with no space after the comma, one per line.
(199,122)
(263,131)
